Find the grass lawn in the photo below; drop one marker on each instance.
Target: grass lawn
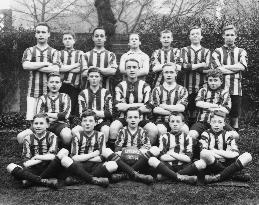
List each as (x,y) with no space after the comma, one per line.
(128,192)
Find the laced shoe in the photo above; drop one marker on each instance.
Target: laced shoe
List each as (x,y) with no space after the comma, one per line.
(187,179)
(211,178)
(103,182)
(71,181)
(119,177)
(146,179)
(52,183)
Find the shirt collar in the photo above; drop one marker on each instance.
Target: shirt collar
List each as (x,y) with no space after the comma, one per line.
(99,51)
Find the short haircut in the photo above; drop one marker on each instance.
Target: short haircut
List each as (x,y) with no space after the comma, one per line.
(131,59)
(229,27)
(133,109)
(170,65)
(176,114)
(194,27)
(134,34)
(166,31)
(99,28)
(93,69)
(41,115)
(87,113)
(215,73)
(53,74)
(68,32)
(43,24)
(217,113)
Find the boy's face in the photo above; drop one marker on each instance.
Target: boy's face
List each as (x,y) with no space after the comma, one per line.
(54,84)
(94,79)
(134,41)
(169,73)
(217,123)
(214,83)
(166,39)
(175,123)
(99,37)
(133,118)
(40,125)
(68,41)
(132,69)
(229,37)
(42,34)
(88,123)
(195,36)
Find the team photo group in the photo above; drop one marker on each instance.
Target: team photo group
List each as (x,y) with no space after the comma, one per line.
(168,129)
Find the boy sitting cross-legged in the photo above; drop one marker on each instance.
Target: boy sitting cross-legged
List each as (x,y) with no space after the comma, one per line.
(220,152)
(39,149)
(212,97)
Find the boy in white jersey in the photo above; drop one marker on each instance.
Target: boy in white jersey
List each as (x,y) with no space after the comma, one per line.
(39,60)
(135,53)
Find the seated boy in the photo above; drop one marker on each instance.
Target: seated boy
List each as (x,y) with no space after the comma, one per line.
(211,97)
(57,106)
(97,99)
(39,150)
(167,98)
(87,145)
(132,92)
(220,152)
(131,136)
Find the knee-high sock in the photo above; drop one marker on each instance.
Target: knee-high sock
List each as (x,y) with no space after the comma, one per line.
(216,166)
(20,173)
(231,169)
(166,171)
(189,170)
(78,170)
(53,167)
(111,144)
(125,167)
(101,171)
(142,162)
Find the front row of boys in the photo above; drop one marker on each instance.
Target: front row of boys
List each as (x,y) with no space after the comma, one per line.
(218,152)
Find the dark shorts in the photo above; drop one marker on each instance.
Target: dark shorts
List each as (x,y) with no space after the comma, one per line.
(219,166)
(236,101)
(191,102)
(57,127)
(92,168)
(38,168)
(100,125)
(200,127)
(123,121)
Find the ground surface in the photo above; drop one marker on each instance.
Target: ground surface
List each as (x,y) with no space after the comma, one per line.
(127,192)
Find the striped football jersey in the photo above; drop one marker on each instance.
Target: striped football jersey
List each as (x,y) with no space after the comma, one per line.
(103,59)
(32,145)
(220,141)
(101,101)
(160,57)
(60,104)
(138,139)
(179,143)
(218,96)
(127,92)
(84,144)
(194,79)
(160,95)
(69,57)
(230,56)
(38,80)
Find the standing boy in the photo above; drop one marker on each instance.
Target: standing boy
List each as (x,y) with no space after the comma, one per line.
(231,60)
(101,58)
(135,53)
(39,60)
(132,92)
(196,62)
(164,55)
(72,66)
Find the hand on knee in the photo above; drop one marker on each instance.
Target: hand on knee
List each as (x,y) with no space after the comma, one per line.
(207,156)
(193,134)
(153,162)
(66,161)
(62,153)
(155,150)
(66,135)
(111,166)
(200,164)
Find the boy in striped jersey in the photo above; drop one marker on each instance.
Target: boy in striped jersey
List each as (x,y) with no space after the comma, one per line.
(57,106)
(231,60)
(167,98)
(220,152)
(39,60)
(97,99)
(211,97)
(39,155)
(164,55)
(136,53)
(196,62)
(101,58)
(72,65)
(132,93)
